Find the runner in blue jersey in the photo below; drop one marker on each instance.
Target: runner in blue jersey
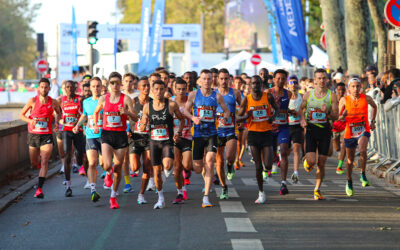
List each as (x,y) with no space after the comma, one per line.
(204,102)
(281,131)
(93,141)
(227,137)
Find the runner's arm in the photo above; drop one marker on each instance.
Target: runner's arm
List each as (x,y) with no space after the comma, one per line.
(189,105)
(342,107)
(238,97)
(334,114)
(274,105)
(131,111)
(96,112)
(25,109)
(57,110)
(221,102)
(302,110)
(371,102)
(240,116)
(145,117)
(178,115)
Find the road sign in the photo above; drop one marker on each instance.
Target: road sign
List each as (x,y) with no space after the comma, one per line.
(255,59)
(42,66)
(394,35)
(392,12)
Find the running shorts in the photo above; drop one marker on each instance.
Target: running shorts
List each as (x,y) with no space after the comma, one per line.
(116,139)
(184,145)
(38,140)
(204,144)
(160,150)
(260,139)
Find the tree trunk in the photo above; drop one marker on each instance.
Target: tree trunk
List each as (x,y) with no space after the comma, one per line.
(333,20)
(381,33)
(358,37)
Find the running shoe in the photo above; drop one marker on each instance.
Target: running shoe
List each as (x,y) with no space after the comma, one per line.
(274,169)
(237,165)
(307,167)
(141,200)
(186,174)
(295,178)
(39,194)
(68,192)
(105,187)
(261,198)
(252,160)
(216,179)
(39,165)
(113,203)
(349,188)
(339,170)
(206,202)
(75,169)
(224,194)
(65,182)
(134,174)
(160,204)
(241,164)
(178,199)
(87,185)
(82,171)
(231,175)
(128,188)
(364,181)
(186,182)
(284,190)
(103,175)
(95,196)
(265,175)
(108,180)
(167,173)
(269,173)
(185,196)
(151,186)
(61,170)
(318,195)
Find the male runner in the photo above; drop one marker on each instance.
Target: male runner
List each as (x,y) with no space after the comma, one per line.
(338,131)
(358,129)
(183,149)
(238,84)
(139,142)
(159,114)
(281,134)
(116,108)
(318,107)
(204,102)
(40,132)
(93,140)
(227,138)
(257,106)
(71,105)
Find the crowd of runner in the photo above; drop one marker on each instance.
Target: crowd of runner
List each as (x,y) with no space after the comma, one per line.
(162,124)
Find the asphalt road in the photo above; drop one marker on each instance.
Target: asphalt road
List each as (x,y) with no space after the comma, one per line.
(370,219)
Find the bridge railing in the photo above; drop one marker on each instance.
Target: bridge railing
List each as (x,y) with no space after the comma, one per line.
(385,139)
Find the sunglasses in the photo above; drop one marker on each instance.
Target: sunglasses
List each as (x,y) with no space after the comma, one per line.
(293,82)
(115,82)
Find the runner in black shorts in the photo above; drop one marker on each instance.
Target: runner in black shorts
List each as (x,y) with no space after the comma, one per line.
(159,114)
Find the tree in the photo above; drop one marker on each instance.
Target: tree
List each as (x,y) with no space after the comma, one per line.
(380,32)
(17,44)
(358,36)
(335,35)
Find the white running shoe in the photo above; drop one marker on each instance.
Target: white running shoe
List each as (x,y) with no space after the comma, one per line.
(274,169)
(87,185)
(261,198)
(160,204)
(105,187)
(151,186)
(141,200)
(206,202)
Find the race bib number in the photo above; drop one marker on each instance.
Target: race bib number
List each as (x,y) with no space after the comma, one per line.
(159,133)
(206,114)
(293,120)
(41,125)
(137,128)
(281,118)
(91,122)
(357,129)
(259,114)
(70,120)
(114,121)
(317,116)
(222,123)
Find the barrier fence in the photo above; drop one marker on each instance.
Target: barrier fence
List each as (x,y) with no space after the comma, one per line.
(385,138)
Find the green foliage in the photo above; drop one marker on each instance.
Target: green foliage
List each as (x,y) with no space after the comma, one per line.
(314,21)
(17,44)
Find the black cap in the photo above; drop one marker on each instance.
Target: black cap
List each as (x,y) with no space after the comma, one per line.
(371,68)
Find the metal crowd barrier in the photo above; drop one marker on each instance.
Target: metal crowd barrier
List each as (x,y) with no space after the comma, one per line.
(386,136)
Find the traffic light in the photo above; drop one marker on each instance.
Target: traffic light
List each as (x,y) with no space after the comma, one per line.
(92,32)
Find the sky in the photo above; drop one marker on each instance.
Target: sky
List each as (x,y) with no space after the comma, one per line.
(53,12)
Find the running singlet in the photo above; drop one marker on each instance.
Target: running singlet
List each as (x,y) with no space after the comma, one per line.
(314,113)
(227,127)
(161,123)
(112,119)
(186,133)
(357,117)
(261,111)
(71,113)
(205,107)
(295,104)
(281,119)
(43,115)
(89,105)
(135,127)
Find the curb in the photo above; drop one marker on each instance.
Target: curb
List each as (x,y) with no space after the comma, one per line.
(7,200)
(388,177)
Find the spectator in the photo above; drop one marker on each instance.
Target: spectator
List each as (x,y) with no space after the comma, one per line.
(55,89)
(395,100)
(303,85)
(393,77)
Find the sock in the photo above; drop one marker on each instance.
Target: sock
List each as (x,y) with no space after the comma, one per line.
(180,191)
(229,166)
(284,182)
(316,189)
(296,172)
(127,180)
(92,187)
(160,195)
(41,181)
(340,163)
(205,199)
(68,184)
(113,193)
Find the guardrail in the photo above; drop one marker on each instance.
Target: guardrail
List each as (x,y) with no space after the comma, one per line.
(385,139)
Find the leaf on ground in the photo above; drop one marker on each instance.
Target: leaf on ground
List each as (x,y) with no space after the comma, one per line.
(27,223)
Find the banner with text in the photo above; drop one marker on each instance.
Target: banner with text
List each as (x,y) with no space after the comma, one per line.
(144,35)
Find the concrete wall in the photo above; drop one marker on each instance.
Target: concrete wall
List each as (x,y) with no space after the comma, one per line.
(14,153)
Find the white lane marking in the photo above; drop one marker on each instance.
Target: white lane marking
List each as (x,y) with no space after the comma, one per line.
(355,184)
(246,244)
(392,190)
(253,182)
(329,199)
(299,183)
(232,207)
(243,225)
(231,192)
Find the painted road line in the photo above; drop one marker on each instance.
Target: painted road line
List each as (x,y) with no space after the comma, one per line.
(355,184)
(246,244)
(300,183)
(242,225)
(328,199)
(253,182)
(232,207)
(231,191)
